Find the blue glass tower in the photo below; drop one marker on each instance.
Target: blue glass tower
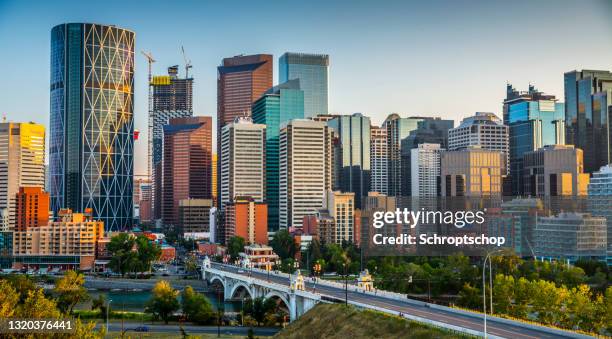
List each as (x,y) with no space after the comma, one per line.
(278,105)
(92,123)
(535,120)
(312,71)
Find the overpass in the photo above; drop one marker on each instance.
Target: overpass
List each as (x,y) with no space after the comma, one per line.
(238,282)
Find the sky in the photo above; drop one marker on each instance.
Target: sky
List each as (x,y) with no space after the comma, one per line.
(429,58)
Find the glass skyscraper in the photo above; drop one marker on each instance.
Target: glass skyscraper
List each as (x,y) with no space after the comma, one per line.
(278,105)
(588,115)
(354,158)
(535,120)
(92,123)
(312,71)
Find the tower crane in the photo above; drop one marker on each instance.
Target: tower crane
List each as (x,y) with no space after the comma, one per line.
(187,63)
(150,60)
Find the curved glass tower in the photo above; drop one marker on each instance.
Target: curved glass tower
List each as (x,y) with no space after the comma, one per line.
(92,124)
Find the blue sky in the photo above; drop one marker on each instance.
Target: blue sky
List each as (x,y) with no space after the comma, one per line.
(440,58)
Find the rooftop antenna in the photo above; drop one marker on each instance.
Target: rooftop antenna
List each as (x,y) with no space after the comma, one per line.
(187,63)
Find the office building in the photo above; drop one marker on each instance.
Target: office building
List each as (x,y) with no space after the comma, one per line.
(214,181)
(248,219)
(92,123)
(243,161)
(305,169)
(425,170)
(259,256)
(600,200)
(69,243)
(312,72)
(378,160)
(22,163)
(32,208)
(482,129)
(588,115)
(146,202)
(397,130)
(353,157)
(472,172)
(278,105)
(535,119)
(571,236)
(187,161)
(341,207)
(554,170)
(194,218)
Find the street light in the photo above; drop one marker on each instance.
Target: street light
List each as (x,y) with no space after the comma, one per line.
(107,308)
(484,290)
(317,270)
(345,284)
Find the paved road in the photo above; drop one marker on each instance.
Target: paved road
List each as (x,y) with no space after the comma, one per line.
(191,329)
(493,327)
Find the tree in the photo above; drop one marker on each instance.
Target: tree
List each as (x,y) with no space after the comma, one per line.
(470,297)
(22,285)
(196,307)
(8,299)
(164,301)
(100,303)
(121,250)
(36,305)
(70,291)
(191,265)
(258,308)
(283,244)
(235,245)
(147,253)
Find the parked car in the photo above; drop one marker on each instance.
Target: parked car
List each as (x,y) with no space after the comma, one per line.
(141,329)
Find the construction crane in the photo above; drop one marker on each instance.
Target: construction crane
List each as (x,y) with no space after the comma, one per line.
(187,63)
(150,59)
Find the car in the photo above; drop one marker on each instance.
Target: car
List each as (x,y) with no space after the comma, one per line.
(141,329)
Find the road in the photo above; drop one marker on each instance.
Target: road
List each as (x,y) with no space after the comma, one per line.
(190,329)
(493,327)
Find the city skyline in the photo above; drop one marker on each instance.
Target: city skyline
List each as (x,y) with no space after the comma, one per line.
(474,39)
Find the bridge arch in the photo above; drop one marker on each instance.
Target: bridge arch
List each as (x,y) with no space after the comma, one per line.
(239,285)
(219,279)
(274,294)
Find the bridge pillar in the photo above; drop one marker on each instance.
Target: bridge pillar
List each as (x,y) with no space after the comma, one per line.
(293,314)
(227,289)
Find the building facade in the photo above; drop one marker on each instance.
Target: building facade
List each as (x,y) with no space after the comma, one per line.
(92,123)
(397,130)
(588,111)
(600,200)
(187,162)
(194,218)
(306,168)
(312,72)
(248,219)
(472,172)
(22,164)
(425,170)
(32,208)
(341,207)
(278,105)
(378,160)
(243,161)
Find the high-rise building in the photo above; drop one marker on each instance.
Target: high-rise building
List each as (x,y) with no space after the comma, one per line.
(22,163)
(312,71)
(92,124)
(378,160)
(535,120)
(32,208)
(600,200)
(277,106)
(146,202)
(194,218)
(243,161)
(248,219)
(215,191)
(425,170)
(397,130)
(187,161)
(482,129)
(353,158)
(341,207)
(472,172)
(588,115)
(554,170)
(305,169)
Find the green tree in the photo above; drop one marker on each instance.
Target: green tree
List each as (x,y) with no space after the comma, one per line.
(22,285)
(164,301)
(191,265)
(470,297)
(258,308)
(100,303)
(196,307)
(70,291)
(581,309)
(235,245)
(548,302)
(147,252)
(36,305)
(283,244)
(122,252)
(8,299)
(503,293)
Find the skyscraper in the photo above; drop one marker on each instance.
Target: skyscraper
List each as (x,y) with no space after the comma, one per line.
(354,154)
(172,97)
(305,169)
(187,162)
(397,129)
(92,123)
(378,160)
(312,71)
(425,170)
(341,207)
(588,115)
(277,106)
(535,120)
(243,161)
(22,163)
(32,208)
(471,172)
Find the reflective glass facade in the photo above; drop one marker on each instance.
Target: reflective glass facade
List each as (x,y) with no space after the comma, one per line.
(92,124)
(312,71)
(280,104)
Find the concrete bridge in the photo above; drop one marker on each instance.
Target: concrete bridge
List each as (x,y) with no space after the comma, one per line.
(293,296)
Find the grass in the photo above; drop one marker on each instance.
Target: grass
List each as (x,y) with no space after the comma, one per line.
(163,335)
(90,314)
(339,322)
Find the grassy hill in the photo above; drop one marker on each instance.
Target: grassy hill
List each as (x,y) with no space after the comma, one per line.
(339,321)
